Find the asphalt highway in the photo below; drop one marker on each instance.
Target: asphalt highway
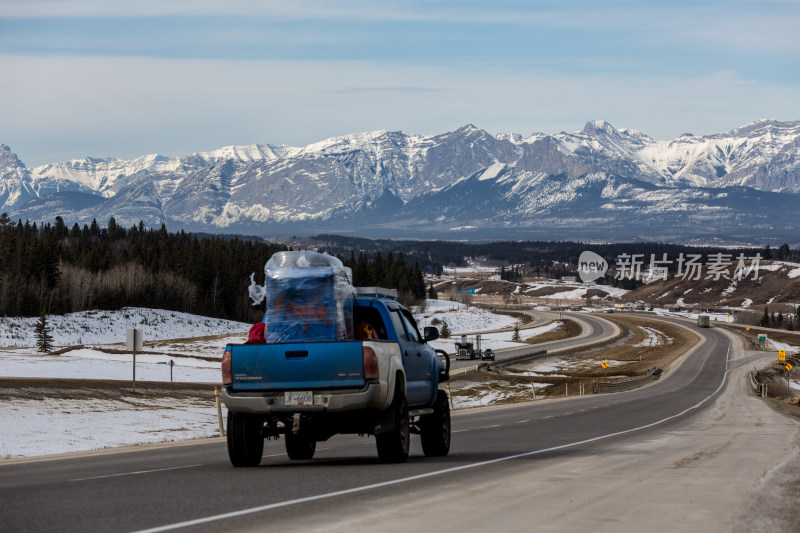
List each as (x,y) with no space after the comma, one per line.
(595,329)
(193,486)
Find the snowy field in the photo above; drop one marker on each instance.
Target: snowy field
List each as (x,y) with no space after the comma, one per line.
(48,426)
(108,327)
(460,318)
(89,363)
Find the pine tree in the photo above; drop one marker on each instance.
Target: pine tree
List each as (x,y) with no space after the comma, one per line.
(445,332)
(43,338)
(765,319)
(516,337)
(432,295)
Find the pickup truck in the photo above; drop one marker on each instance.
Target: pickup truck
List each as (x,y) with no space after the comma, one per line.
(386,385)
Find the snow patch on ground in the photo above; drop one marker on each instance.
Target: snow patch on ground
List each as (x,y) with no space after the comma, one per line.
(462,319)
(775,346)
(654,338)
(107,327)
(94,364)
(77,425)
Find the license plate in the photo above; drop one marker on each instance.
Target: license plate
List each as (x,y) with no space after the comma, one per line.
(298,398)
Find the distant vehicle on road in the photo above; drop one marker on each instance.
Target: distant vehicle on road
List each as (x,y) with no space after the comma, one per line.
(704,321)
(488,355)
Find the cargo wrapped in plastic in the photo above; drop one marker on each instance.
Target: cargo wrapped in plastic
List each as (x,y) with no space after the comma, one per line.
(309,298)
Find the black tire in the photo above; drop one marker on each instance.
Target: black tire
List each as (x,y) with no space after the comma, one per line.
(393,445)
(435,428)
(245,439)
(299,447)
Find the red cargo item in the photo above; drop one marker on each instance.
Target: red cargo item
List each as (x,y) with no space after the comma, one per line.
(256,335)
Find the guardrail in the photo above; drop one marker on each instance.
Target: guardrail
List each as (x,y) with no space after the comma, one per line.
(479,366)
(628,383)
(517,358)
(755,383)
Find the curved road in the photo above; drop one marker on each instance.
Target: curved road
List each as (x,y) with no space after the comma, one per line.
(595,329)
(193,486)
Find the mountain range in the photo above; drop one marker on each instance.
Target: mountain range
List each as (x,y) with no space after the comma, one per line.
(600,183)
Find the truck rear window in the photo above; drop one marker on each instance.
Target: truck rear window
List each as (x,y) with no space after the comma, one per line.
(371,316)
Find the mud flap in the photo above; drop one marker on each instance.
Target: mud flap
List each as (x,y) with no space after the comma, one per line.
(386,422)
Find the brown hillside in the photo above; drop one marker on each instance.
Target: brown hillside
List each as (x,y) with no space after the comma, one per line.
(772,286)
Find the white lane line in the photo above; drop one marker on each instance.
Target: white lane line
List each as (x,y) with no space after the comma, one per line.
(522,421)
(137,472)
(364,488)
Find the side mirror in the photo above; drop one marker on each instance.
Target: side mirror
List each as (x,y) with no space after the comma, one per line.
(431,333)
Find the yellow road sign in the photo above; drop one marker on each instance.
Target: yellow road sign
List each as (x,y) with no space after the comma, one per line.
(604,364)
(747,328)
(788,367)
(781,355)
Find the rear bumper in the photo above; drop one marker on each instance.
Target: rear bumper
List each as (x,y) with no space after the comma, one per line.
(328,401)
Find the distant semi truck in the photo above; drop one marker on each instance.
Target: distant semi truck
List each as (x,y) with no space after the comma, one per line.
(704,321)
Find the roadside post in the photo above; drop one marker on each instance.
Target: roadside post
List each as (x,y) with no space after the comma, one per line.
(788,369)
(134,343)
(171,364)
(219,412)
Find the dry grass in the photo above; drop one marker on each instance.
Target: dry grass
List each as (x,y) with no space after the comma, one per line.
(773,286)
(567,329)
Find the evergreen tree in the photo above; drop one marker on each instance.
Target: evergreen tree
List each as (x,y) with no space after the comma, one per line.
(44,340)
(779,320)
(445,331)
(432,295)
(516,337)
(765,318)
(767,253)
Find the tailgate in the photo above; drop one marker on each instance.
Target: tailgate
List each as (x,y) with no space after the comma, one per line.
(300,366)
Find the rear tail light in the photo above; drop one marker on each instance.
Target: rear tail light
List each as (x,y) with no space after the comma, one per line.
(370,363)
(227,379)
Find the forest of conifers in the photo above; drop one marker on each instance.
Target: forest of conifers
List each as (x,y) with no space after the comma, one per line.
(58,269)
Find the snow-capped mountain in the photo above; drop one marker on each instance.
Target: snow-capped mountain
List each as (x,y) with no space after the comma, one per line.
(601,180)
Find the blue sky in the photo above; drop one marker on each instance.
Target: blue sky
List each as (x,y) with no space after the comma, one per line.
(121,79)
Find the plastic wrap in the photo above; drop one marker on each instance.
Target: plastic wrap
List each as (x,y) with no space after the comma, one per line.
(309,298)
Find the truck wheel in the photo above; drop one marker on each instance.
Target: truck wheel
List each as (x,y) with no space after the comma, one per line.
(299,447)
(245,440)
(435,428)
(393,445)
